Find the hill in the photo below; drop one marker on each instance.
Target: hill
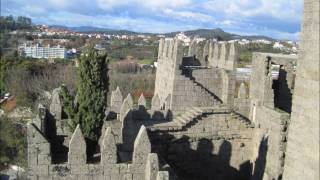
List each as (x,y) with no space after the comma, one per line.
(205,33)
(216,34)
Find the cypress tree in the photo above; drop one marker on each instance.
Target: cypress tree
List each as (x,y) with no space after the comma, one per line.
(68,107)
(92,87)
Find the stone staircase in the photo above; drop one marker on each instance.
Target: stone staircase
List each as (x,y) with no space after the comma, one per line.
(188,116)
(207,93)
(242,119)
(204,96)
(193,114)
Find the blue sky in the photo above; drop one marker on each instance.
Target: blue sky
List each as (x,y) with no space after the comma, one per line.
(275,18)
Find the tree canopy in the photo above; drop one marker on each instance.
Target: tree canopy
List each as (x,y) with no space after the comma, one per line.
(92,90)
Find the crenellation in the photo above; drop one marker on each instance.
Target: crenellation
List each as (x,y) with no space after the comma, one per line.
(142,101)
(129,100)
(108,148)
(222,56)
(155,102)
(126,105)
(141,147)
(56,106)
(161,49)
(145,164)
(116,100)
(192,51)
(216,55)
(77,154)
(233,56)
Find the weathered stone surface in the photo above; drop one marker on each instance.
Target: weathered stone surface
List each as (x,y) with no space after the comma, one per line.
(41,120)
(233,56)
(77,148)
(38,147)
(142,101)
(192,48)
(223,56)
(161,44)
(163,175)
(56,106)
(302,157)
(108,148)
(142,147)
(205,55)
(242,92)
(129,100)
(152,166)
(116,100)
(155,102)
(216,52)
(124,109)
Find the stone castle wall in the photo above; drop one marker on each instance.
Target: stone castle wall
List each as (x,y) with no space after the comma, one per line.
(169,59)
(180,91)
(302,160)
(76,165)
(196,123)
(217,146)
(269,143)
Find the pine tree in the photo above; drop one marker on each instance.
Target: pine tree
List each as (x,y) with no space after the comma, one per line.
(92,87)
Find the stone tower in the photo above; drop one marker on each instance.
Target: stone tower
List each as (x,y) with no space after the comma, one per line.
(302,160)
(169,59)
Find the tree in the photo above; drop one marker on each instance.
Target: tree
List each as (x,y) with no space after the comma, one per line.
(68,106)
(13,143)
(92,86)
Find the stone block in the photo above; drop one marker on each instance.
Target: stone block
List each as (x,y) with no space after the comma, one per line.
(110,169)
(95,169)
(44,159)
(86,177)
(138,176)
(126,177)
(44,178)
(115,177)
(43,148)
(123,168)
(41,170)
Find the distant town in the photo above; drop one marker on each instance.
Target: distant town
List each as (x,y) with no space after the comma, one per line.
(51,42)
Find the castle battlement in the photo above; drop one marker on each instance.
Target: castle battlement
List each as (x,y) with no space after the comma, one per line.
(43,165)
(223,55)
(170,50)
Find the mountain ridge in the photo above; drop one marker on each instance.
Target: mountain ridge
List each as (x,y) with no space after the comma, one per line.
(216,33)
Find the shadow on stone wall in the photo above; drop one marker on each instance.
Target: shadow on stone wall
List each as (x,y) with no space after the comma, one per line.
(199,163)
(282,92)
(58,150)
(260,163)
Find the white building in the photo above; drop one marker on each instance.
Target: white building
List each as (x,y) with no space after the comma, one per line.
(37,51)
(278,45)
(185,39)
(263,41)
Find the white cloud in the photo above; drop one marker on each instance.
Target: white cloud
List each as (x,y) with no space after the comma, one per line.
(148,4)
(278,18)
(281,9)
(187,15)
